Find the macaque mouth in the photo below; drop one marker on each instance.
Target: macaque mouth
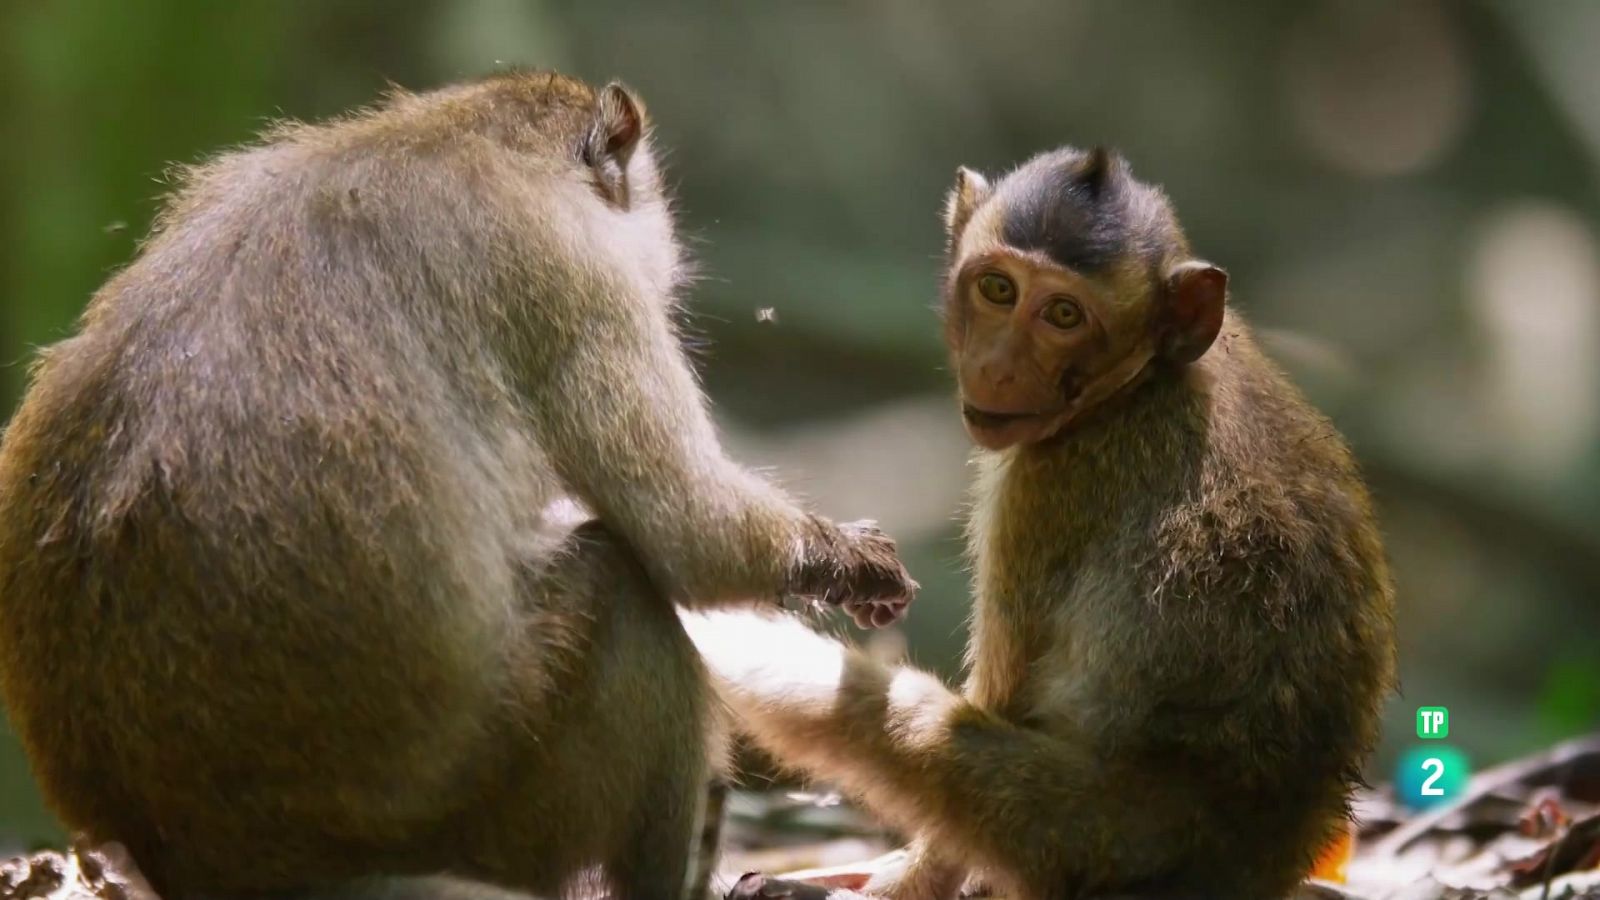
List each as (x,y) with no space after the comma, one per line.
(982,418)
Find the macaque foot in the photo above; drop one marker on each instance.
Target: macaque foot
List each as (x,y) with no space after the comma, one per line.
(867,878)
(755,886)
(85,871)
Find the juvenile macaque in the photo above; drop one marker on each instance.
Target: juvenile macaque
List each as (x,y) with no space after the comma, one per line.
(296,585)
(1183,622)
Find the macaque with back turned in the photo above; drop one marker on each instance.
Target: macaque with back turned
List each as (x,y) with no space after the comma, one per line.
(342,543)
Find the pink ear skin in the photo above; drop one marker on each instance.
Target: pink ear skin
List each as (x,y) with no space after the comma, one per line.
(618,126)
(620,123)
(1192,318)
(969,192)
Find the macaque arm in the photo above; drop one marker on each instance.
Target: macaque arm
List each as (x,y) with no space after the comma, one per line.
(977,787)
(623,421)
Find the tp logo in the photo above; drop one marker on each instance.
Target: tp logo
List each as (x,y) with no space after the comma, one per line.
(1433,723)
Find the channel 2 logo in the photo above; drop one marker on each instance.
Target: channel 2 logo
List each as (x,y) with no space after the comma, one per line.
(1431,774)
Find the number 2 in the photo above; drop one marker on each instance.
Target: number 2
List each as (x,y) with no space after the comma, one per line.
(1437,765)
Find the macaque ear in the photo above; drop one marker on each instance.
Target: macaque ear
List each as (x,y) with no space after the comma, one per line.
(618,126)
(969,192)
(1191,314)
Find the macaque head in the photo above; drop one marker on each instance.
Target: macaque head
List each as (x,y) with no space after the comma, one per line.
(623,171)
(1068,280)
(603,133)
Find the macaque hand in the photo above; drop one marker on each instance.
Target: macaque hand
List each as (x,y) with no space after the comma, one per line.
(857,567)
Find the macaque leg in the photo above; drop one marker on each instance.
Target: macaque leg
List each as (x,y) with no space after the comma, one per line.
(125,878)
(411,888)
(620,775)
(930,762)
(921,874)
(608,757)
(708,849)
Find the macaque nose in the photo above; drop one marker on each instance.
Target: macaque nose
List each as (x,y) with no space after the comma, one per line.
(997,375)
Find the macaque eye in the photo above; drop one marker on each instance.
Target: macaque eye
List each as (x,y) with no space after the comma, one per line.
(997,289)
(1063,314)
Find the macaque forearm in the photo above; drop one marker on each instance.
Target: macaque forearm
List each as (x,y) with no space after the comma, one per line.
(915,752)
(821,706)
(645,457)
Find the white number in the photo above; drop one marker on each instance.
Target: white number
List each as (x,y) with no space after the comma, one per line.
(1437,765)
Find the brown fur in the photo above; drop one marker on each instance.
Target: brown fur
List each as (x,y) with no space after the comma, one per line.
(1182,636)
(294,587)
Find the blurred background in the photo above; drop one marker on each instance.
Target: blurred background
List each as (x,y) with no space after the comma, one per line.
(1404,193)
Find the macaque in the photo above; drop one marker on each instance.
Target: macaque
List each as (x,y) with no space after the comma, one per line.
(343,541)
(1182,630)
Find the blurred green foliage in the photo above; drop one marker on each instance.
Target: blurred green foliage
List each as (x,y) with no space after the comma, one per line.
(1405,195)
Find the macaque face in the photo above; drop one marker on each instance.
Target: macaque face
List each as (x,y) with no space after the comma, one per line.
(1068,279)
(1035,344)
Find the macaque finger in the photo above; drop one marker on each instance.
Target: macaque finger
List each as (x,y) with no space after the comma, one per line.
(869,614)
(860,612)
(885,614)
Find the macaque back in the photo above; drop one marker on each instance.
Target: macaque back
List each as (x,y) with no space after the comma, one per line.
(287,601)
